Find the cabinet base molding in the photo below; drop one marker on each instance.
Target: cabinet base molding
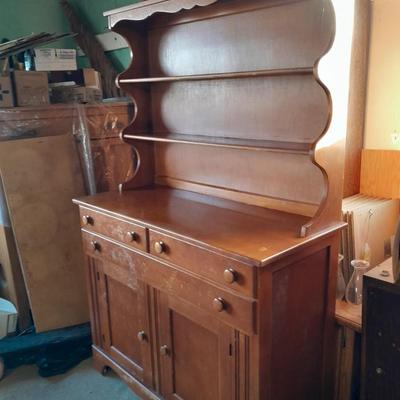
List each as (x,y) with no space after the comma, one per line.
(101,360)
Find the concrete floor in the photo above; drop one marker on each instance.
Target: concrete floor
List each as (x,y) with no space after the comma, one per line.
(81,383)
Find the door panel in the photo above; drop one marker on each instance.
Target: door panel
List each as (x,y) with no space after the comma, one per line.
(197,371)
(196,353)
(124,322)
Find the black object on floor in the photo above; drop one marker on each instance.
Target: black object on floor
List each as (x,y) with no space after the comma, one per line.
(54,352)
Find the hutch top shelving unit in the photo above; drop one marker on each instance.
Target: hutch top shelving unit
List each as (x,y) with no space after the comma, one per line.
(229,102)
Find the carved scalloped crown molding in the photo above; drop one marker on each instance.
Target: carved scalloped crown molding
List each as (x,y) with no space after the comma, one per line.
(145,9)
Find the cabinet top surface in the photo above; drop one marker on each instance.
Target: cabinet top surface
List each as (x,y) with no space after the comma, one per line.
(252,234)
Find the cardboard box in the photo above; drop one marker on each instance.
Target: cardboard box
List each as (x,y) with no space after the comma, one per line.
(91,78)
(31,88)
(55,59)
(6,92)
(81,77)
(75,94)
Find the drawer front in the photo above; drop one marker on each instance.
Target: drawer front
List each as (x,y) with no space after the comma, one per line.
(130,266)
(126,232)
(224,271)
(124,264)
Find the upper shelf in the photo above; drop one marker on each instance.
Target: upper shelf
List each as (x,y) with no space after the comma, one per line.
(226,75)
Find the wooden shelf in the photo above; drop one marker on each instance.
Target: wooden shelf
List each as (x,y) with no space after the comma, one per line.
(244,144)
(227,75)
(348,315)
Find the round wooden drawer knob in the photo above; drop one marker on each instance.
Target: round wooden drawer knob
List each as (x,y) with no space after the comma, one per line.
(230,275)
(87,220)
(132,236)
(219,304)
(159,247)
(164,351)
(141,336)
(95,246)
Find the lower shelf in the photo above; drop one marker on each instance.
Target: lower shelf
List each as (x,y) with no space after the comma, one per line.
(227,142)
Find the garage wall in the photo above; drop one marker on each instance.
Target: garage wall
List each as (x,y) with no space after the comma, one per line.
(22,17)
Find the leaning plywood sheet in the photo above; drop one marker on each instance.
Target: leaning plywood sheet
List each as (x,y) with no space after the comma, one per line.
(40,178)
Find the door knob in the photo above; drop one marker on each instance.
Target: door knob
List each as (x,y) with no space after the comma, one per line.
(219,304)
(230,275)
(159,247)
(95,246)
(141,336)
(164,351)
(87,220)
(132,236)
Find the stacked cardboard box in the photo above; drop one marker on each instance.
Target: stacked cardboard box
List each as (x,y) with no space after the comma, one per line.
(31,88)
(80,86)
(6,92)
(75,94)
(55,59)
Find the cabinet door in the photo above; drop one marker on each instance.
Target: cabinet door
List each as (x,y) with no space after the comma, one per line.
(125,333)
(196,353)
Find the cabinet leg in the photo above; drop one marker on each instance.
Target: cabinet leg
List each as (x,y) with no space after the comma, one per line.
(100,367)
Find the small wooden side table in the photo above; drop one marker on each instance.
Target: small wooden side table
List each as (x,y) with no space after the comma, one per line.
(348,318)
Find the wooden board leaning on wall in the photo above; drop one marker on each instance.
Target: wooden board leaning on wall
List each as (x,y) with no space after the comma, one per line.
(380,173)
(40,177)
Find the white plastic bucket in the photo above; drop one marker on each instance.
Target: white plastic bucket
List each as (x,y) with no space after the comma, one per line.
(8,318)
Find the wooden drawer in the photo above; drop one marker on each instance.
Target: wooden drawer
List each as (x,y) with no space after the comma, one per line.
(219,269)
(126,232)
(230,308)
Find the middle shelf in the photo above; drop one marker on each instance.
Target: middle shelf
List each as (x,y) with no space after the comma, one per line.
(223,75)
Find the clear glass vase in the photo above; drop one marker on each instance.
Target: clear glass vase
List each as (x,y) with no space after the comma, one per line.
(355,286)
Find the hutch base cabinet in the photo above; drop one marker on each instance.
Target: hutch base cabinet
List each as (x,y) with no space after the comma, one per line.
(178,314)
(212,271)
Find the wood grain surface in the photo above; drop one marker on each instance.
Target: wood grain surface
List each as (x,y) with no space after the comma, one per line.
(348,315)
(251,234)
(380,173)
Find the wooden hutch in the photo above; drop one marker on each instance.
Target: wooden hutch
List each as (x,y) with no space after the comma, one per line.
(212,272)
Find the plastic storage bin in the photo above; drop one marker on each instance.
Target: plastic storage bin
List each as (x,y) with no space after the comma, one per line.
(8,318)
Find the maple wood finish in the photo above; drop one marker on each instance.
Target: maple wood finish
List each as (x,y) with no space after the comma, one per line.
(240,331)
(380,173)
(348,315)
(230,293)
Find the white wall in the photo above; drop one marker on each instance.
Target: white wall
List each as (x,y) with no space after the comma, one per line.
(383,96)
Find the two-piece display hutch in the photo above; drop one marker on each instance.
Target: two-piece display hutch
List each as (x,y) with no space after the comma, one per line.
(212,272)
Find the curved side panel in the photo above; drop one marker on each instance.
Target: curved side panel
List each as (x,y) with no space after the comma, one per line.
(333,69)
(136,36)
